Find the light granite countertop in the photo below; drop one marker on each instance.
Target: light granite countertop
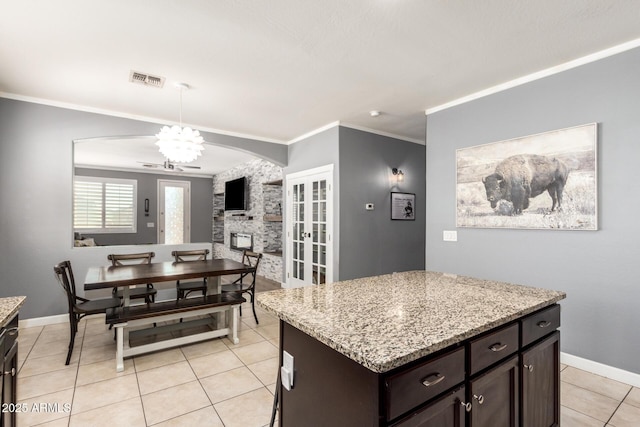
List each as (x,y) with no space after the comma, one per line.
(384,322)
(8,307)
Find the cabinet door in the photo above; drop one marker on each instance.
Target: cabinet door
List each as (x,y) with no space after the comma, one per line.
(495,396)
(541,383)
(447,411)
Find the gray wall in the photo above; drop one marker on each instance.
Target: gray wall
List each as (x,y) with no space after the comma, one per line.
(318,150)
(201,207)
(35,188)
(370,242)
(598,270)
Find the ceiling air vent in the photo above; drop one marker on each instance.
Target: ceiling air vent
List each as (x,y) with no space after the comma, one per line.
(146,79)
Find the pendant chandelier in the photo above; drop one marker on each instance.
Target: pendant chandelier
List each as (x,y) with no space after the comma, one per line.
(178,144)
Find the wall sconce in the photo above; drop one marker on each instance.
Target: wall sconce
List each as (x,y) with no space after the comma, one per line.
(399,174)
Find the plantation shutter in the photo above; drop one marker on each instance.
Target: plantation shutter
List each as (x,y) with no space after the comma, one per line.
(104,205)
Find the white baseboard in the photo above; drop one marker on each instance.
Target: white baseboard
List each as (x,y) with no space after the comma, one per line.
(43,321)
(601,369)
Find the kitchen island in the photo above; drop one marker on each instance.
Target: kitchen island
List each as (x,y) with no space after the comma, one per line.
(419,348)
(9,308)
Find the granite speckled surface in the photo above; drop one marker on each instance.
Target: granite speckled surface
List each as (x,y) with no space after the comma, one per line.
(384,322)
(8,307)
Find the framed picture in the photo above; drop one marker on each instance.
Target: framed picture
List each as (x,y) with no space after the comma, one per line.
(403,206)
(546,181)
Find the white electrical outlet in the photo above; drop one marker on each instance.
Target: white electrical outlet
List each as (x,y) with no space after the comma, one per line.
(450,236)
(286,371)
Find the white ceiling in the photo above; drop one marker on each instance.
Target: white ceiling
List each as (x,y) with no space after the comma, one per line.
(278,69)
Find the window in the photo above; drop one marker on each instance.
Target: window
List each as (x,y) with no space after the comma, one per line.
(104,205)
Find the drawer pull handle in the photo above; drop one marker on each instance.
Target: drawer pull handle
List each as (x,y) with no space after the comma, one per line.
(467,406)
(12,372)
(12,331)
(480,398)
(544,323)
(427,383)
(529,367)
(497,347)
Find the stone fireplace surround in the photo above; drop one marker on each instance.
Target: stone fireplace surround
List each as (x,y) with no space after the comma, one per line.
(262,219)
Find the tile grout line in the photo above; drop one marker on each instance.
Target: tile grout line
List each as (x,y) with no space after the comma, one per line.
(618,407)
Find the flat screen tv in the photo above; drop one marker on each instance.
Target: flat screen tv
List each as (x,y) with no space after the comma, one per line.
(235,195)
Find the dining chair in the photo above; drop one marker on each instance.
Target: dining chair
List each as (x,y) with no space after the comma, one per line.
(78,306)
(147,293)
(183,289)
(250,259)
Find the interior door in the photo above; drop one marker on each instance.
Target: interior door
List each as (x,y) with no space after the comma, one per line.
(310,227)
(174,212)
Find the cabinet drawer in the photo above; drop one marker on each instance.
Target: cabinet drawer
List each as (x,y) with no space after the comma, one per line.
(540,324)
(445,411)
(489,349)
(408,389)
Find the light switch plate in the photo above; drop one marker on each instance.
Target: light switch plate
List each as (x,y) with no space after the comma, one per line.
(150,225)
(450,236)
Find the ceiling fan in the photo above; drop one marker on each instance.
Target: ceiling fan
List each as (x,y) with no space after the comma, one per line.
(168,166)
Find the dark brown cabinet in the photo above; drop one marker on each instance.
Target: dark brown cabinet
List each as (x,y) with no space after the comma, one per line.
(494,396)
(446,411)
(541,383)
(9,352)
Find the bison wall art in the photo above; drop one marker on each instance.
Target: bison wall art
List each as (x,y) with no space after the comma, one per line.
(543,181)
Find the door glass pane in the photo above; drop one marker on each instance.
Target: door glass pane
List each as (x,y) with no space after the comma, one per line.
(315,254)
(323,255)
(315,211)
(301,199)
(323,190)
(174,215)
(315,190)
(323,211)
(315,233)
(323,274)
(323,233)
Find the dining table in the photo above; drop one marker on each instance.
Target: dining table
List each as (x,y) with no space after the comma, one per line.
(126,276)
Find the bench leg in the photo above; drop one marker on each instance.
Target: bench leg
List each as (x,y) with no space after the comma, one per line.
(234,324)
(120,332)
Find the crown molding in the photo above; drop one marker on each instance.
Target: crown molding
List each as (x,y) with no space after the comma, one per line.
(538,75)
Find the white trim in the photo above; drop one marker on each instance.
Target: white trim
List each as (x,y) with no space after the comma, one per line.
(313,132)
(308,172)
(112,113)
(381,133)
(356,127)
(597,368)
(43,321)
(538,75)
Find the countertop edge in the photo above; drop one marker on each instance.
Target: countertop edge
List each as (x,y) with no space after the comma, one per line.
(9,306)
(395,363)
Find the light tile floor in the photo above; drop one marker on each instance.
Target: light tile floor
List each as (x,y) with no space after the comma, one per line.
(215,383)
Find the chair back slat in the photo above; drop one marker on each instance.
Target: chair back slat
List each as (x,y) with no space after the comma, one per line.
(129,259)
(251,259)
(192,255)
(64,274)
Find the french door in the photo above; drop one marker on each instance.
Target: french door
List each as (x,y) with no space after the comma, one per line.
(310,227)
(174,212)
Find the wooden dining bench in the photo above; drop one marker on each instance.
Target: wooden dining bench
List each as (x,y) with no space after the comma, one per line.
(125,320)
